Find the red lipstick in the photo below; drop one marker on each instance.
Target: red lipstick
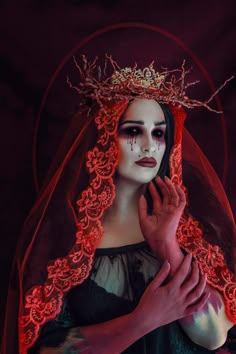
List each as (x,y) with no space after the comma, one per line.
(147,162)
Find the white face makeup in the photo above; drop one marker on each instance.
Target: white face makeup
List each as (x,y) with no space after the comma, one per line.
(142,141)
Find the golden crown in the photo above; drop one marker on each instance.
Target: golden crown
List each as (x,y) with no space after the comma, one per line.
(167,86)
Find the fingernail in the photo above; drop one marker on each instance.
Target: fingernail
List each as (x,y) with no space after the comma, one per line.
(166,263)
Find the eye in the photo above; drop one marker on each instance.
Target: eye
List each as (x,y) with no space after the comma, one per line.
(130,131)
(158,133)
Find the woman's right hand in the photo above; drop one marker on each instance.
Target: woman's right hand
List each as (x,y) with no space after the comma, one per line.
(179,297)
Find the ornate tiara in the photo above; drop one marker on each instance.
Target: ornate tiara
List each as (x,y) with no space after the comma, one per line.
(166,86)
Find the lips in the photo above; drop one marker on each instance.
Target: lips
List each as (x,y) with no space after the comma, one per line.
(147,162)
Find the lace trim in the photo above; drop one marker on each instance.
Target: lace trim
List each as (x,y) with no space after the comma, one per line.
(210,258)
(43,303)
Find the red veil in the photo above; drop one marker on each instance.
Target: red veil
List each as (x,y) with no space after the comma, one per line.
(64,228)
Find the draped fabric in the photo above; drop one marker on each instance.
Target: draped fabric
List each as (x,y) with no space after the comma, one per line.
(57,245)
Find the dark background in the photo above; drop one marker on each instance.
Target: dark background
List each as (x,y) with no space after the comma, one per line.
(36,35)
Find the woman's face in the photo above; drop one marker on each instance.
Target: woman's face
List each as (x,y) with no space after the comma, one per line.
(141,134)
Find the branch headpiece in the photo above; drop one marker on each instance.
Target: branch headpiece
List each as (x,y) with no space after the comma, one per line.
(166,86)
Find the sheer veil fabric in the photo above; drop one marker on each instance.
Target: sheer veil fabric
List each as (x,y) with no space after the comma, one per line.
(64,228)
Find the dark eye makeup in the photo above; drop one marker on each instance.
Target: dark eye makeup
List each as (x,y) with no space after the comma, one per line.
(138,131)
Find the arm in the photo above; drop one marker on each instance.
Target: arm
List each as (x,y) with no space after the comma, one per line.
(207,327)
(116,335)
(109,337)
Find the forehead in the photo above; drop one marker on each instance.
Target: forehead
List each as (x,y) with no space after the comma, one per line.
(145,110)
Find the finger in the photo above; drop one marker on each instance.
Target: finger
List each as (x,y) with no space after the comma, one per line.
(161,275)
(142,208)
(182,196)
(156,199)
(164,190)
(198,305)
(198,291)
(193,280)
(173,194)
(182,272)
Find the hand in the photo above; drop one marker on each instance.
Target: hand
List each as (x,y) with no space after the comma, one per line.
(163,223)
(180,297)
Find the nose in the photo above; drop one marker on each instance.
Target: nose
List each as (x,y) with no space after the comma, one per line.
(149,145)
(151,148)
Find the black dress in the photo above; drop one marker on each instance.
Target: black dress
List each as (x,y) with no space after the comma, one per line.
(114,287)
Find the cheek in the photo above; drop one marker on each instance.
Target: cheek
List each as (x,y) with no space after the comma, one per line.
(160,151)
(127,152)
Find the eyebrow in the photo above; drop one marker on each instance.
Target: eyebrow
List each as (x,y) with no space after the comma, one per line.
(141,122)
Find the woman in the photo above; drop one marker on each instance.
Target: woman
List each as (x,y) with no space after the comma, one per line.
(137,239)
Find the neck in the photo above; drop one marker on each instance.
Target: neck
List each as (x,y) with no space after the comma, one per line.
(126,200)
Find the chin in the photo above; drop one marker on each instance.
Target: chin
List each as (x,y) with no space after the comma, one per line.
(145,180)
(137,176)
(146,177)
(138,180)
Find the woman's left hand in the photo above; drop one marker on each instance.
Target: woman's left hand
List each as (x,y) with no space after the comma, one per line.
(161,226)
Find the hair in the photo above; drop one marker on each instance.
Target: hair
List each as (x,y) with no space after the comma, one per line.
(164,169)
